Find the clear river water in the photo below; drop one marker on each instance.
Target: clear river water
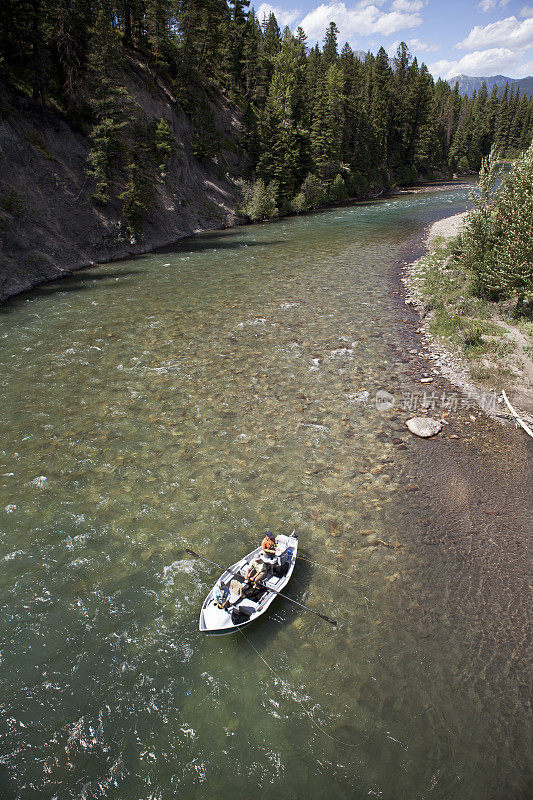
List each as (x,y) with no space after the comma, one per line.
(200,395)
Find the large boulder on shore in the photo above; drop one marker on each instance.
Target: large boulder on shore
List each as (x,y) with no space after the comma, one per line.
(424,426)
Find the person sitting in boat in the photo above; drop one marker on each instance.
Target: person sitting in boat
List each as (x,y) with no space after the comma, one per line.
(268,545)
(222,595)
(257,570)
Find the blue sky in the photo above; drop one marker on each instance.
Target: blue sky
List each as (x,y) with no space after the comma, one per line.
(484,37)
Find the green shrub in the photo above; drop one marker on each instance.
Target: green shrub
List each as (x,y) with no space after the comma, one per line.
(137,200)
(13,203)
(497,243)
(299,203)
(513,228)
(338,190)
(407,175)
(106,146)
(165,144)
(473,336)
(314,191)
(259,201)
(356,184)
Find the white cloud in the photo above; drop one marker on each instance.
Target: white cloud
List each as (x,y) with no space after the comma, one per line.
(479,63)
(409,6)
(525,70)
(526,11)
(490,5)
(361,20)
(440,69)
(415,46)
(507,32)
(422,47)
(284,17)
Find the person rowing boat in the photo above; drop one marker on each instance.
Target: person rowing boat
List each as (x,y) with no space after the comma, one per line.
(245,607)
(257,569)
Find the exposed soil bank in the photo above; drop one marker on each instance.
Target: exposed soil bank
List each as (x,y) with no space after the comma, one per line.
(49,225)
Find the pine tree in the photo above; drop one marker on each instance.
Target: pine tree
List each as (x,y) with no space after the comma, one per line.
(111,106)
(158,34)
(202,27)
(503,120)
(420,121)
(165,144)
(284,158)
(327,129)
(314,74)
(251,60)
(381,103)
(329,51)
(205,140)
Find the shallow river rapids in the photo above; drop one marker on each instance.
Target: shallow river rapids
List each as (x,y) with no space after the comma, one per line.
(201,395)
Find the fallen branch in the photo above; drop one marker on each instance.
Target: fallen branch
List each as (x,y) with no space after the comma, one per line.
(515,415)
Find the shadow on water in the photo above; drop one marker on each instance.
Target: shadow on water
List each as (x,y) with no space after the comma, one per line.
(84,278)
(203,243)
(79,281)
(7,792)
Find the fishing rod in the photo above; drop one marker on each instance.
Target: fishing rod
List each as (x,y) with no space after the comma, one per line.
(264,586)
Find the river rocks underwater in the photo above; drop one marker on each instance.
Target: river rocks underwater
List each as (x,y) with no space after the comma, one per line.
(198,396)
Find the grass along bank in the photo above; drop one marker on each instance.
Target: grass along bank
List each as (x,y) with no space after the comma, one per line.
(480,345)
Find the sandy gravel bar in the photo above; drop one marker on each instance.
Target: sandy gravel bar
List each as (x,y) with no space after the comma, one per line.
(448,227)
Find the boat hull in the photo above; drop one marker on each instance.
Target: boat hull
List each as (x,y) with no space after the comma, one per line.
(215,621)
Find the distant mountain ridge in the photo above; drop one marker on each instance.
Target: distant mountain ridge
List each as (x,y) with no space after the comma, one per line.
(362,54)
(468,84)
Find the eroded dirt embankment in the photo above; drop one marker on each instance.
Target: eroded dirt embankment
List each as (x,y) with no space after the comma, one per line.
(49,224)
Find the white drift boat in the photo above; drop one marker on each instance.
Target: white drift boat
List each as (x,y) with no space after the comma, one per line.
(246,606)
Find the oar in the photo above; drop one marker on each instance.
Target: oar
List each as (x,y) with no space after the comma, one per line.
(264,586)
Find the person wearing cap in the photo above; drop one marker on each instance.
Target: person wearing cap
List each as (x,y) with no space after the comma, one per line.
(257,570)
(222,594)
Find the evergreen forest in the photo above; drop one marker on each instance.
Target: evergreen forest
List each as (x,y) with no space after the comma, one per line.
(318,124)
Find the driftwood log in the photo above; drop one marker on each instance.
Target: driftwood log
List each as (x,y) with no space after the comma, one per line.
(515,415)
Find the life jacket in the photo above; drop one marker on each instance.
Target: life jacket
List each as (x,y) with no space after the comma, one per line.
(268,545)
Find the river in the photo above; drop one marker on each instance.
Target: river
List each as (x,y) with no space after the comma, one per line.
(200,395)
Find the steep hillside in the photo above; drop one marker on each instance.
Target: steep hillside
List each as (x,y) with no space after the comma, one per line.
(49,221)
(150,121)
